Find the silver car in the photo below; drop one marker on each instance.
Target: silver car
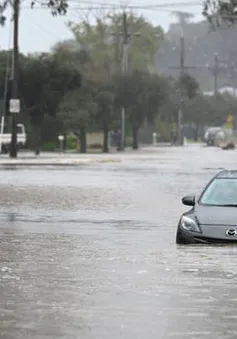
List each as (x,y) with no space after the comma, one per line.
(213,215)
(211,134)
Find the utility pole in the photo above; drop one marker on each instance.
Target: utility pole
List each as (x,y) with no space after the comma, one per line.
(215,73)
(217,69)
(126,36)
(182,69)
(181,109)
(14,102)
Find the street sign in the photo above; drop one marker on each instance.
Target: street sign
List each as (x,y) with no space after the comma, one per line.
(14,106)
(229,121)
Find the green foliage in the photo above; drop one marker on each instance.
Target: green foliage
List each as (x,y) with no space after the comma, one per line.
(80,88)
(217,11)
(145,40)
(164,129)
(104,101)
(142,94)
(197,110)
(43,82)
(57,7)
(188,85)
(158,91)
(77,108)
(49,147)
(203,110)
(102,43)
(71,143)
(52,146)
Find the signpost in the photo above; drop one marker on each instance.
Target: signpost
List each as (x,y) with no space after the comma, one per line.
(61,140)
(229,121)
(15,106)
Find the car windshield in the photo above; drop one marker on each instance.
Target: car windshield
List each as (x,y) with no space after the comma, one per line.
(221,192)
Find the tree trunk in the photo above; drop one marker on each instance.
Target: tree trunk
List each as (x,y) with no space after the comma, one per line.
(36,142)
(135,137)
(83,144)
(106,135)
(65,142)
(37,123)
(196,132)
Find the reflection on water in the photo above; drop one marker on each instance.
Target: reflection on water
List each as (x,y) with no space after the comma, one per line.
(90,252)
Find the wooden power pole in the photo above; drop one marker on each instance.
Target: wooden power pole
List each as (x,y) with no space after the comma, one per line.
(182,69)
(126,36)
(14,101)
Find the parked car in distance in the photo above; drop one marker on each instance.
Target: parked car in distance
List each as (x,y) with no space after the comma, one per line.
(211,135)
(5,139)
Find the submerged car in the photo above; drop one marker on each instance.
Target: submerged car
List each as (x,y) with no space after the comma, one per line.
(213,215)
(213,136)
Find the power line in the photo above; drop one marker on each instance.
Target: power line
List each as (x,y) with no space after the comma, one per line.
(185,3)
(45,31)
(178,4)
(111,8)
(101,5)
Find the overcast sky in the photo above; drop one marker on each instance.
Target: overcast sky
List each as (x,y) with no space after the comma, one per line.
(39,31)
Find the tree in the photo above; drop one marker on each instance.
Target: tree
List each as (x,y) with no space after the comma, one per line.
(144,41)
(220,107)
(5,81)
(208,110)
(103,41)
(100,48)
(76,110)
(132,94)
(43,81)
(94,43)
(142,94)
(169,109)
(104,100)
(183,17)
(217,11)
(158,92)
(197,112)
(57,7)
(188,85)
(69,51)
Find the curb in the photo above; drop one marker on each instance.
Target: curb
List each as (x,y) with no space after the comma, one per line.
(56,163)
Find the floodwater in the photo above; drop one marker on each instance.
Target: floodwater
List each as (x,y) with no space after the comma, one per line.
(89,252)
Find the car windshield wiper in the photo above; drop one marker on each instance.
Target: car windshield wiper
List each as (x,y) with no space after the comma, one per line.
(228,205)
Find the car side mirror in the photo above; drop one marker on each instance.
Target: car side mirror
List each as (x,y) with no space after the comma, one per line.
(188,200)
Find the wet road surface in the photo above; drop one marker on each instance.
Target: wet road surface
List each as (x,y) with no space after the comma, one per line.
(89,252)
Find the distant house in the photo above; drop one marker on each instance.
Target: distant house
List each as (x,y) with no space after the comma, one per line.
(227,89)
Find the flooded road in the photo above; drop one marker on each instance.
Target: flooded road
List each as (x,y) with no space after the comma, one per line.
(89,252)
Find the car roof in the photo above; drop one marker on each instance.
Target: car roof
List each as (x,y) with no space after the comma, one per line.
(214,128)
(227,174)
